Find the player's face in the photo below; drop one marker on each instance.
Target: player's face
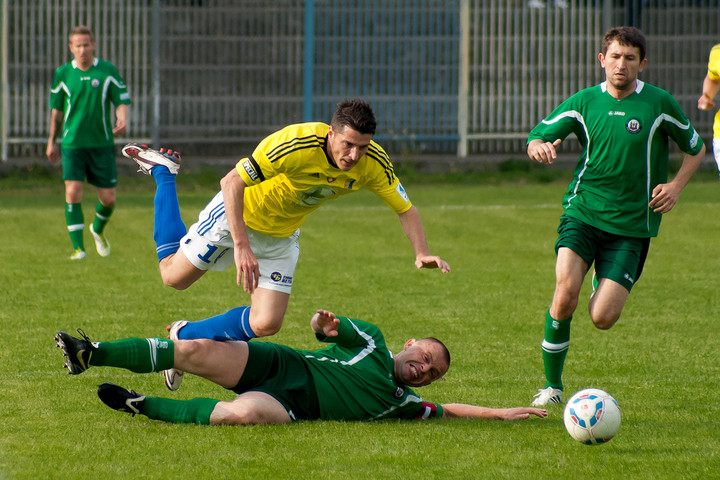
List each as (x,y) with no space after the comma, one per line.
(420,363)
(83,49)
(622,65)
(346,146)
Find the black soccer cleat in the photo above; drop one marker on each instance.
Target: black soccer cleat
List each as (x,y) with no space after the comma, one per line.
(77,352)
(121,399)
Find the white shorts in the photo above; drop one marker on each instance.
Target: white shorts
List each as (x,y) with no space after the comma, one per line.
(716,151)
(209,246)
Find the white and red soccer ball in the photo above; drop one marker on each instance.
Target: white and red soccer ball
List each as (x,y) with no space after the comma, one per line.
(592,416)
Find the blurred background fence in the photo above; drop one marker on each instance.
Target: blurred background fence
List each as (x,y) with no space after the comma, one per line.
(451,77)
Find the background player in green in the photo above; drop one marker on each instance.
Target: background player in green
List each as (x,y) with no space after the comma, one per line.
(82,94)
(618,194)
(355,378)
(710,88)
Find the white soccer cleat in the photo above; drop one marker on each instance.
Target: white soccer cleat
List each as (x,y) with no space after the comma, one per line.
(78,254)
(546,396)
(172,376)
(147,158)
(101,243)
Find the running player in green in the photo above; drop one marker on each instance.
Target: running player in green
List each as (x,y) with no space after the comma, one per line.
(355,378)
(711,86)
(81,99)
(619,191)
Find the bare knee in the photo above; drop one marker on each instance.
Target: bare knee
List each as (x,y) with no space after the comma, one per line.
(564,304)
(603,320)
(186,351)
(265,323)
(225,413)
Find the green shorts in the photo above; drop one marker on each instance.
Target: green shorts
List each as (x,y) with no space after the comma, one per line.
(618,258)
(282,373)
(97,164)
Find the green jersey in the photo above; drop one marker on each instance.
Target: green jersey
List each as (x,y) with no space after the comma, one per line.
(86,99)
(625,154)
(354,378)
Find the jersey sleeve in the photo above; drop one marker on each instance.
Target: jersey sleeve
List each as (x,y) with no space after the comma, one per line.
(563,121)
(279,152)
(714,63)
(118,90)
(679,128)
(58,93)
(386,184)
(354,333)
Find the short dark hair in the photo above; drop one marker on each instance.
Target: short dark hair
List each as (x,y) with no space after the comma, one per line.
(81,30)
(445,351)
(628,36)
(356,114)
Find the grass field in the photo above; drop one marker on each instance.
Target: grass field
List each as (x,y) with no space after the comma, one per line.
(661,361)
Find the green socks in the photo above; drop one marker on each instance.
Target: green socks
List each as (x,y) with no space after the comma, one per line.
(195,411)
(554,347)
(139,355)
(74,221)
(102,216)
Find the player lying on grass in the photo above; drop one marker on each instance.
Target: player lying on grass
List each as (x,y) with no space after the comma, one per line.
(354,378)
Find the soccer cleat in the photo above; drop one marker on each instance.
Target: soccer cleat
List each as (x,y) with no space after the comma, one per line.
(77,351)
(546,396)
(172,376)
(121,399)
(78,254)
(101,242)
(147,158)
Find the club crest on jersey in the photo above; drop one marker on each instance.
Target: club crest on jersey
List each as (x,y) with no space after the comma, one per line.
(633,125)
(95,82)
(399,392)
(331,179)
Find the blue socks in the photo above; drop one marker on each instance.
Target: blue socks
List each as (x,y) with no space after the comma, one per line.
(169,227)
(231,325)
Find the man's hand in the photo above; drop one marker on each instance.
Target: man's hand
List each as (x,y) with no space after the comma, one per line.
(53,152)
(543,152)
(522,413)
(664,197)
(248,271)
(432,261)
(325,322)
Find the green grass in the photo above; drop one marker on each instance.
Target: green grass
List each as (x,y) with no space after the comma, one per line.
(660,361)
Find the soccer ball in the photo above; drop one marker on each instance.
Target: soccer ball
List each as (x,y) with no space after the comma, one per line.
(592,416)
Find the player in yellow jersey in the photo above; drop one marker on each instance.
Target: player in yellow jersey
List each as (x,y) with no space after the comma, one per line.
(254,220)
(711,86)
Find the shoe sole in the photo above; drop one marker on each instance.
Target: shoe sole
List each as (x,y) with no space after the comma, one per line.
(147,158)
(73,369)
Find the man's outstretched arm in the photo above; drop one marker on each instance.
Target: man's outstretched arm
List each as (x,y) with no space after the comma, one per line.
(462,410)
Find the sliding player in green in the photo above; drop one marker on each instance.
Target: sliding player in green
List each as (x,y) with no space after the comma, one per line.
(82,95)
(355,378)
(619,190)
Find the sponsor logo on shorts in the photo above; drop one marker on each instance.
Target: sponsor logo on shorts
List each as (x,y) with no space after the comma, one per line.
(250,170)
(281,279)
(633,126)
(629,278)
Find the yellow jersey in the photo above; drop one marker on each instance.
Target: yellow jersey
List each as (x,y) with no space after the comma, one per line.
(289,175)
(714,74)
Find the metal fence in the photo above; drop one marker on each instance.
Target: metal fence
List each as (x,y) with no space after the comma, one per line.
(463,77)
